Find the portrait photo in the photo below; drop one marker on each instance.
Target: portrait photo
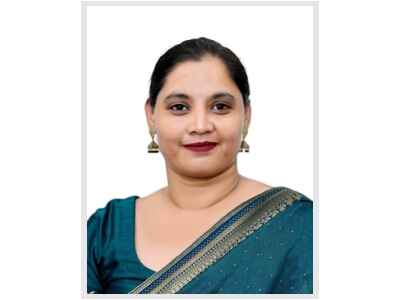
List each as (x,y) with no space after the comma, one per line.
(199,147)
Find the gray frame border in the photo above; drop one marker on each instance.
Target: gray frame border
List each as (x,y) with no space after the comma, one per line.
(84,6)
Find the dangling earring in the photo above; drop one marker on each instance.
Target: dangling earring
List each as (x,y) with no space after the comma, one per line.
(153,146)
(244,147)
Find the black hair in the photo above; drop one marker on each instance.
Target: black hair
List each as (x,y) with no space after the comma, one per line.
(195,50)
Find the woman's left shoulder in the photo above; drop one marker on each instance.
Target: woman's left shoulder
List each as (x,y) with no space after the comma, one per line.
(301,200)
(301,206)
(300,212)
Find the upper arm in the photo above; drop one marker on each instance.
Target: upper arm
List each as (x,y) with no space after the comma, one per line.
(93,242)
(296,276)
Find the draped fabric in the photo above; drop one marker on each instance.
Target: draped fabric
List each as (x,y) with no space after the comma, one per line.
(263,246)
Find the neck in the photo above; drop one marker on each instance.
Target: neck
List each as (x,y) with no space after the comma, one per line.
(199,194)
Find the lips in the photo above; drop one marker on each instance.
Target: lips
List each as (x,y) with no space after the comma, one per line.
(201,146)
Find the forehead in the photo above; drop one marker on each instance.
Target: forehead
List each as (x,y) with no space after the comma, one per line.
(200,78)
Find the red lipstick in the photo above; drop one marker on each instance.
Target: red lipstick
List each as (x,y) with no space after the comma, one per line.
(201,146)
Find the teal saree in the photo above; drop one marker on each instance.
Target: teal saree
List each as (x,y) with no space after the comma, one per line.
(263,246)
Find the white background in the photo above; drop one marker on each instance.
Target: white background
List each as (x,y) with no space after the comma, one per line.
(121,54)
(40,223)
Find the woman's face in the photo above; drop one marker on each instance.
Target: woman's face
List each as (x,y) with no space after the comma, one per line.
(199,102)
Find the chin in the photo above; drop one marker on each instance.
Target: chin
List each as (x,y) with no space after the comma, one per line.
(202,170)
(204,174)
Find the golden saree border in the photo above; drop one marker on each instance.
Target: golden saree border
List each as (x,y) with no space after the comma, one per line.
(222,237)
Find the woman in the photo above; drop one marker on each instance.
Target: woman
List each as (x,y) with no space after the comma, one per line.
(210,230)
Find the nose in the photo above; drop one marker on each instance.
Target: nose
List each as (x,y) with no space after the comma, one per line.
(200,122)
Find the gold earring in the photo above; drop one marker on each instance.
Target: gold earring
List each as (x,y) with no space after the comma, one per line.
(244,147)
(153,146)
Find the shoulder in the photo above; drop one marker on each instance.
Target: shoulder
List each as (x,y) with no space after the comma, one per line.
(300,221)
(297,274)
(302,207)
(116,208)
(297,216)
(109,224)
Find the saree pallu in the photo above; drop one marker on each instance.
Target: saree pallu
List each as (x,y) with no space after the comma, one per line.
(263,246)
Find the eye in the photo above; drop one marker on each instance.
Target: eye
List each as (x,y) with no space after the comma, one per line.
(177,106)
(221,106)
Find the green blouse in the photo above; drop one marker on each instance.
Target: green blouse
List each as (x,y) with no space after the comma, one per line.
(273,257)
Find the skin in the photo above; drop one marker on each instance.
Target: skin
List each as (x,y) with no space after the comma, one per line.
(201,188)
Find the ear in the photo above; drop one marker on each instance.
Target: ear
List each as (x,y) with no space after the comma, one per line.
(247,113)
(149,114)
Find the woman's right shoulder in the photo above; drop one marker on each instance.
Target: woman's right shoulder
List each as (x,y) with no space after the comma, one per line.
(113,209)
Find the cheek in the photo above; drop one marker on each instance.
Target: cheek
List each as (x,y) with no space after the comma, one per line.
(230,139)
(169,130)
(169,137)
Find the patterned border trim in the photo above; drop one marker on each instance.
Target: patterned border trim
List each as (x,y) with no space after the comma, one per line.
(218,241)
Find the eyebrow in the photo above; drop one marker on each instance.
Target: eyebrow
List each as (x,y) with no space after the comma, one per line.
(217,95)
